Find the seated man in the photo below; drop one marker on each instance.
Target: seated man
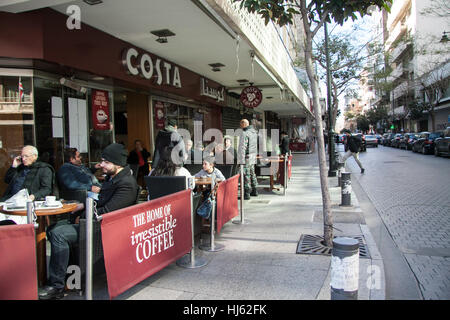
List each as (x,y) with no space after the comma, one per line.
(120,190)
(74,176)
(26,172)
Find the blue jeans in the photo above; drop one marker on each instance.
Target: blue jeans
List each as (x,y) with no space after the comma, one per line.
(62,236)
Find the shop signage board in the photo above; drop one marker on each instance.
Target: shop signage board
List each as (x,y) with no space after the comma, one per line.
(100,110)
(251,97)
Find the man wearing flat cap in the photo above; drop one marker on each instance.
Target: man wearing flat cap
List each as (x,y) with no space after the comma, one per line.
(120,190)
(169,138)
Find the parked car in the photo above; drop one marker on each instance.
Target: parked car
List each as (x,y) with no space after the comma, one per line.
(340,138)
(395,141)
(442,144)
(412,138)
(371,140)
(388,139)
(363,139)
(384,138)
(425,143)
(403,144)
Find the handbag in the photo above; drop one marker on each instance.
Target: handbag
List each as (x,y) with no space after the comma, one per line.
(205,209)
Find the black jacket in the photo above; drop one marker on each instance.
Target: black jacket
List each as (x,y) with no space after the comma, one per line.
(284,147)
(118,192)
(40,180)
(353,143)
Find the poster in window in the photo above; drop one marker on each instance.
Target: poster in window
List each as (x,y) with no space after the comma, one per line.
(100,110)
(160,116)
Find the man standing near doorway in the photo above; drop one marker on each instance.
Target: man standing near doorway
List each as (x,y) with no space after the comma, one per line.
(248,149)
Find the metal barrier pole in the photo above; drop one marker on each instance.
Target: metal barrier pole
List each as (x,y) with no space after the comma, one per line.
(241,221)
(346,189)
(89,246)
(340,169)
(344,269)
(191,261)
(212,247)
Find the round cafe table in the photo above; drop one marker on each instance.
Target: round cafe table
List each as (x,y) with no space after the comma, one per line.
(42,215)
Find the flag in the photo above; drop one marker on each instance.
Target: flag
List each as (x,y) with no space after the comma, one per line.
(20,90)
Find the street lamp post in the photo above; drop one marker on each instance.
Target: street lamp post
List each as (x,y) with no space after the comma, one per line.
(332,160)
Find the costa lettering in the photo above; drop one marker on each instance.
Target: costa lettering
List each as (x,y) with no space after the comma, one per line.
(143,65)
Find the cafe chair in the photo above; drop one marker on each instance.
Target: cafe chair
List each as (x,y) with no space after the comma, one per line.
(226,169)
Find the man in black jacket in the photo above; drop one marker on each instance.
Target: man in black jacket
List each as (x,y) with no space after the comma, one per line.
(120,190)
(353,144)
(26,172)
(284,145)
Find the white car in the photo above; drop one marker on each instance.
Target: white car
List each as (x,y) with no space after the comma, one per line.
(371,140)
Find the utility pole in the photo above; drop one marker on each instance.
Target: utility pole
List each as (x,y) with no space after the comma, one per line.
(332,161)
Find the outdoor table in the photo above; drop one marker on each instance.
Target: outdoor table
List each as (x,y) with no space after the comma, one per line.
(42,215)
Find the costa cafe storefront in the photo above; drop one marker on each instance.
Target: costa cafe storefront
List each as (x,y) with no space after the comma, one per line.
(59,67)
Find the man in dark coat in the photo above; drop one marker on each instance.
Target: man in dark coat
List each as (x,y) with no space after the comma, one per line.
(120,190)
(353,144)
(284,145)
(169,137)
(138,157)
(26,172)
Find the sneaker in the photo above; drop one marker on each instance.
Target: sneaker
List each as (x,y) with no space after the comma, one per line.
(50,293)
(362,170)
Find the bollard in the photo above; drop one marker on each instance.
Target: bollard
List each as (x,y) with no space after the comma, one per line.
(285,174)
(89,246)
(346,189)
(191,261)
(344,269)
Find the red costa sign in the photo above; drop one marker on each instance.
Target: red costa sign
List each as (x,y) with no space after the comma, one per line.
(100,110)
(251,97)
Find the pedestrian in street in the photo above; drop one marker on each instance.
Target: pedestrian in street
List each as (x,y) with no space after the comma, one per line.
(353,146)
(169,137)
(247,151)
(120,190)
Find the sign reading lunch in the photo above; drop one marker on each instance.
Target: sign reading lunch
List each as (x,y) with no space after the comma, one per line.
(140,240)
(157,236)
(143,65)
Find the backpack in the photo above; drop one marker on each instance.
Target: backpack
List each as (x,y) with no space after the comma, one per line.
(357,142)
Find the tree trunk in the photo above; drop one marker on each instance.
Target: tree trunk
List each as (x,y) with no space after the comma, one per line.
(327,217)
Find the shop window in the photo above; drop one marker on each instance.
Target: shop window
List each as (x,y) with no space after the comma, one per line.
(16,120)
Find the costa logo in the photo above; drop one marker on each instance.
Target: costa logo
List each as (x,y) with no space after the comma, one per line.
(251,97)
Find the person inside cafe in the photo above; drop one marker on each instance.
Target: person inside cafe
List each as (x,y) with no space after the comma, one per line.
(138,160)
(247,151)
(119,190)
(225,153)
(73,175)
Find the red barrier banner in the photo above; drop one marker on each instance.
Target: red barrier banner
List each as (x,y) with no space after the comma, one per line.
(227,201)
(141,240)
(290,166)
(18,269)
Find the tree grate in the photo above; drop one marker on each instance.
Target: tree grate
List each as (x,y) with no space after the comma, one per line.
(313,244)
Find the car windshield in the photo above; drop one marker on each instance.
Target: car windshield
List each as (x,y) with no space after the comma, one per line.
(434,135)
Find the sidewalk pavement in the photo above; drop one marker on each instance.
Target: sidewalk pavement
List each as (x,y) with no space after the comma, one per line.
(260,260)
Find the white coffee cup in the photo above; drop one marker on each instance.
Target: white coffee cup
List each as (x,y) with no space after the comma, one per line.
(50,200)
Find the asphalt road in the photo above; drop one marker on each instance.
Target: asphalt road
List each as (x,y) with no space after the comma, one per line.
(405,197)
